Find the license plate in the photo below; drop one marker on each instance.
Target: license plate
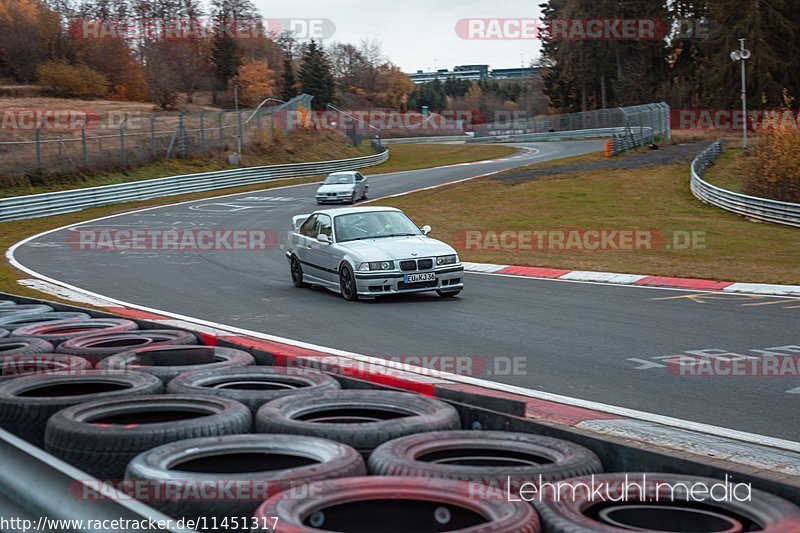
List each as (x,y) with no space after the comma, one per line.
(419,278)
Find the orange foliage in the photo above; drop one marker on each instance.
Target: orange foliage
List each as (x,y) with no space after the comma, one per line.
(774,168)
(256,82)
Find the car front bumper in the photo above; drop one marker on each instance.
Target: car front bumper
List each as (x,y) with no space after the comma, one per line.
(325,199)
(370,284)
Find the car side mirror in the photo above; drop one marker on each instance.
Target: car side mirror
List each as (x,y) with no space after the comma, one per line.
(426,229)
(323,238)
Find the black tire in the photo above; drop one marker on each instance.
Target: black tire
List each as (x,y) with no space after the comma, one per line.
(253,386)
(567,515)
(102,437)
(448,294)
(64,330)
(166,362)
(488,457)
(347,283)
(391,505)
(253,467)
(297,273)
(353,198)
(24,345)
(16,366)
(363,419)
(26,309)
(27,402)
(98,346)
(3,333)
(16,322)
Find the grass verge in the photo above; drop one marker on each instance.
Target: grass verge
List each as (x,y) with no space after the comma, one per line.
(417,156)
(729,171)
(411,157)
(655,199)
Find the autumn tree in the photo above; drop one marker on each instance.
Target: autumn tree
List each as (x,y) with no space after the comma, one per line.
(30,33)
(72,80)
(255,82)
(116,61)
(392,87)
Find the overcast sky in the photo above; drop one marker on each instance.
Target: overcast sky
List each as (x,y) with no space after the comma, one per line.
(418,34)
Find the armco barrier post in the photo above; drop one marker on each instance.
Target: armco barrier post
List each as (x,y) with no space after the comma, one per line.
(39,148)
(122,141)
(202,133)
(221,134)
(153,149)
(84,148)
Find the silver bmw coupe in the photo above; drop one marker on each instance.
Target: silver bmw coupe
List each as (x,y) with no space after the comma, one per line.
(364,252)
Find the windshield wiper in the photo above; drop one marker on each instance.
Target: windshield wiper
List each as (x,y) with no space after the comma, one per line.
(395,235)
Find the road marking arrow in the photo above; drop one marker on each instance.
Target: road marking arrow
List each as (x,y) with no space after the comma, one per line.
(795,390)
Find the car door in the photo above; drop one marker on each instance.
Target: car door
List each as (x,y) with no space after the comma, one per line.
(321,254)
(307,235)
(361,185)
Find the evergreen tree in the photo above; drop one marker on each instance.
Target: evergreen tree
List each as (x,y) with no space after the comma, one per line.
(226,60)
(315,76)
(289,80)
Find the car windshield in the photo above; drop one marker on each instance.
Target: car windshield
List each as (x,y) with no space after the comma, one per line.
(339,179)
(373,225)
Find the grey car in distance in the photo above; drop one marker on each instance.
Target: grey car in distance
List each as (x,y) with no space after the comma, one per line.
(364,252)
(342,187)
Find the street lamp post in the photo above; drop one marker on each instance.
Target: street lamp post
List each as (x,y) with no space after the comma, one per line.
(741,55)
(238,120)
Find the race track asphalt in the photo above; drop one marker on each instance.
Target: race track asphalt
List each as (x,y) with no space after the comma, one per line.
(590,341)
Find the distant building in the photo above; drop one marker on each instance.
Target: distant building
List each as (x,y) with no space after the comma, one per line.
(472,73)
(511,73)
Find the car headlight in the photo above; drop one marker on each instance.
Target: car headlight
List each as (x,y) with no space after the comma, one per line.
(376,265)
(446,260)
(345,193)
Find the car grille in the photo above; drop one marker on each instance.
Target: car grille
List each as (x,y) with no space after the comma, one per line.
(424,285)
(408,265)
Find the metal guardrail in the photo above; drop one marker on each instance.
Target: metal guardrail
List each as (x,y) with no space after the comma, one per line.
(524,137)
(552,135)
(430,139)
(775,211)
(55,203)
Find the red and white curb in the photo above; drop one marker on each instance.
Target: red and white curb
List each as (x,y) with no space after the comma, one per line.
(711,443)
(640,280)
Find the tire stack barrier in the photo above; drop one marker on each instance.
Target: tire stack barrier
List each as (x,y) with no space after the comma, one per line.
(187,412)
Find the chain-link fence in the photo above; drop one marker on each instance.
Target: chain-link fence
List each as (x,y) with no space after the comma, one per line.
(121,140)
(649,121)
